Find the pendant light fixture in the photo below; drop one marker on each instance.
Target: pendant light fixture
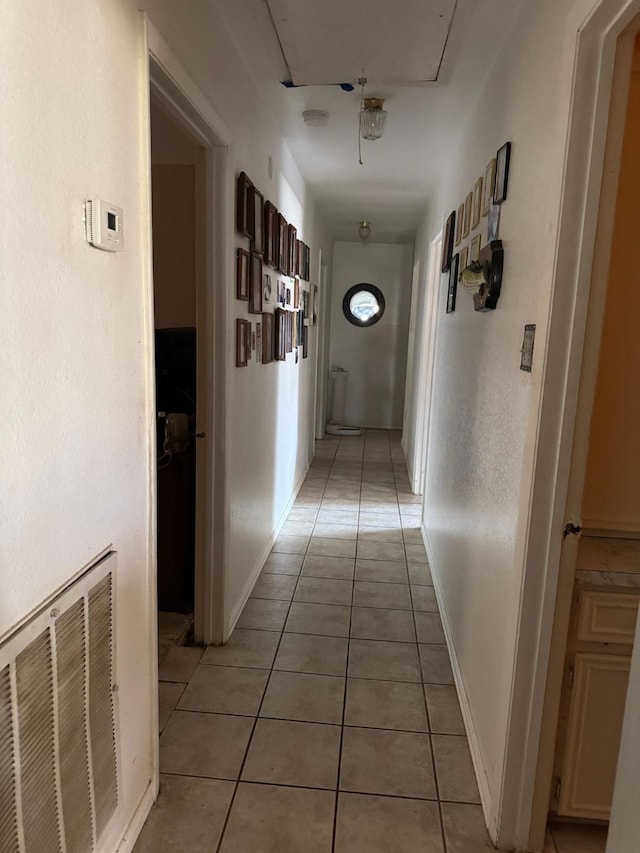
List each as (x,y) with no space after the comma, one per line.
(371,118)
(364,230)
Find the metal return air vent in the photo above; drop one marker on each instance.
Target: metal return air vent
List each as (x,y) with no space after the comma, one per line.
(58,732)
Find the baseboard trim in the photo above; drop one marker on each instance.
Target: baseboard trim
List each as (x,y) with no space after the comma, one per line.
(253,579)
(490,815)
(139,817)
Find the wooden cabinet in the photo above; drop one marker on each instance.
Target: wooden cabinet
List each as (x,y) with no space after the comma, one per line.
(598,661)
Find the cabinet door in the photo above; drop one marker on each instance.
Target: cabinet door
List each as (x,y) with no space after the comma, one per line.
(593,735)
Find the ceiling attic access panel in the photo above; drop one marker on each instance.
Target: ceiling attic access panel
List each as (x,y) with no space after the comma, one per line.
(399,43)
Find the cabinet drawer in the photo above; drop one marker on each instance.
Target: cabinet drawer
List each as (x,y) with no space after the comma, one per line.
(607,617)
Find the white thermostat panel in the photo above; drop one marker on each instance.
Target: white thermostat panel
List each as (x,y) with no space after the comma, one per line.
(104,224)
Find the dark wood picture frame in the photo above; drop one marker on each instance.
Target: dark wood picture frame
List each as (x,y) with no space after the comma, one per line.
(296,292)
(280,348)
(257,220)
(255,286)
(244,205)
(270,241)
(267,338)
(503,161)
(242,354)
(283,245)
(452,290)
(447,243)
(305,341)
(289,331)
(300,255)
(292,242)
(307,262)
(300,326)
(243,266)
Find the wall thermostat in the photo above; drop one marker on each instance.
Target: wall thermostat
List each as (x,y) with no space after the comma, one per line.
(104,225)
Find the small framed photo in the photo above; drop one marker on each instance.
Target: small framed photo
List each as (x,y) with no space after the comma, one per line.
(474,251)
(468,208)
(242,355)
(259,342)
(503,159)
(288,296)
(300,325)
(283,245)
(288,331)
(243,266)
(300,253)
(270,234)
(257,201)
(306,299)
(314,304)
(280,343)
(489,183)
(307,263)
(243,205)
(459,224)
(296,292)
(453,284)
(464,261)
(267,290)
(267,338)
(477,203)
(293,250)
(305,342)
(447,242)
(255,286)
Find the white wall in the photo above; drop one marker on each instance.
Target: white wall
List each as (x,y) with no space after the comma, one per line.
(376,357)
(484,417)
(77,436)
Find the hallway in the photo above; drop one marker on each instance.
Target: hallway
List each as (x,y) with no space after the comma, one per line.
(262,748)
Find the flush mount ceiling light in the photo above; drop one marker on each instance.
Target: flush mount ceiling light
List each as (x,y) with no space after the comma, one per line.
(371,118)
(364,229)
(315,118)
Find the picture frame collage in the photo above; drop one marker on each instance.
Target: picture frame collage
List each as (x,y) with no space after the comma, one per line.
(274,245)
(460,245)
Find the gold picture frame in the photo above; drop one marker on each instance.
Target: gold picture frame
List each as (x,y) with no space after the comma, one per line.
(489,183)
(474,250)
(468,206)
(477,203)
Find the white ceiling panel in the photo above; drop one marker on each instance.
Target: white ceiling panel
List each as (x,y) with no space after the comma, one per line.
(397,42)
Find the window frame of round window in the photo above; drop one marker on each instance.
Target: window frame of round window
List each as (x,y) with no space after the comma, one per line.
(346,304)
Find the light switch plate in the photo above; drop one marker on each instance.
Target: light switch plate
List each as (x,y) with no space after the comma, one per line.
(526,353)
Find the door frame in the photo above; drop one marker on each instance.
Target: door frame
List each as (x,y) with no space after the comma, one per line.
(425,358)
(580,446)
(322,366)
(578,284)
(170,84)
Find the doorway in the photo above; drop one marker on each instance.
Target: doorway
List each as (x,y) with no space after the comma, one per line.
(193,125)
(599,577)
(176,228)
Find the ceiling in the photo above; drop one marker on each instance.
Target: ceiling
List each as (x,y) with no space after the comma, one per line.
(332,41)
(401,46)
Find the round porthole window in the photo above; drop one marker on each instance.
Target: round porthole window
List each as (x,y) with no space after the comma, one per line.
(363,304)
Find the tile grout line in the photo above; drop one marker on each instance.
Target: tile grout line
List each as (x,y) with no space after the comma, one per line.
(257,715)
(344,704)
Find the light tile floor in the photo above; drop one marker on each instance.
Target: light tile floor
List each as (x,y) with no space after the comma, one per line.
(329,722)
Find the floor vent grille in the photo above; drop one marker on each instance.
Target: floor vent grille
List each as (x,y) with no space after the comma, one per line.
(58,722)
